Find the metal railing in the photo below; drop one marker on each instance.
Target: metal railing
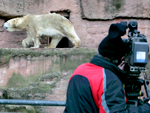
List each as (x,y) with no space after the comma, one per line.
(32,102)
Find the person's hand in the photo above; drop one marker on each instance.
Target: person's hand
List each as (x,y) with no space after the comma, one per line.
(149,101)
(121,66)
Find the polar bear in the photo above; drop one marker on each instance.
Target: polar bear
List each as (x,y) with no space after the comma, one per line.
(52,25)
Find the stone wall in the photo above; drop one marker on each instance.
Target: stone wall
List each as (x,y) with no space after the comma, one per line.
(90,18)
(38,74)
(110,9)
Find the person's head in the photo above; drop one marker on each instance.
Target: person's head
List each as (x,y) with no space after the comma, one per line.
(112,46)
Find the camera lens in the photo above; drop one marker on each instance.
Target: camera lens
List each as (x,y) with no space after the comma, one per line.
(132,24)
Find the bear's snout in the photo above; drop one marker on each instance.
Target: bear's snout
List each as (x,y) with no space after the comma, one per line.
(4,27)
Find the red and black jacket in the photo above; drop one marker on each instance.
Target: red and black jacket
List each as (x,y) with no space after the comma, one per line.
(96,87)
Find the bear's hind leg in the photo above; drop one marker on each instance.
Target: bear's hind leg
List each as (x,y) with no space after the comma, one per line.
(73,37)
(54,41)
(75,40)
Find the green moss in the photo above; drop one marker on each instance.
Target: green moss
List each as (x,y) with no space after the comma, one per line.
(16,81)
(22,87)
(117,4)
(112,6)
(5,59)
(19,108)
(70,62)
(43,52)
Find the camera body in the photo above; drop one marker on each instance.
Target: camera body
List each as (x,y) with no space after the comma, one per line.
(137,49)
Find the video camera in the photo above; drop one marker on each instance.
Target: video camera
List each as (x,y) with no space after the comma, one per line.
(135,63)
(137,51)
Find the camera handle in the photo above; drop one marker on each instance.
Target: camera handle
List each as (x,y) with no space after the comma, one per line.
(146,89)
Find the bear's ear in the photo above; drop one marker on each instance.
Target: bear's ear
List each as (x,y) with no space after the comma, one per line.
(14,22)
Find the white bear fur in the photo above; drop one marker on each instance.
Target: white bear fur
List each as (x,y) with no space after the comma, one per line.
(52,25)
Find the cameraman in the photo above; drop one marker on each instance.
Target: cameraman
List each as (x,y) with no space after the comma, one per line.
(97,87)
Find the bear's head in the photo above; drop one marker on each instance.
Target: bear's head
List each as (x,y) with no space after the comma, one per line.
(13,24)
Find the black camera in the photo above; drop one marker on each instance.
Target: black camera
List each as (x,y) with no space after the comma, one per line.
(137,49)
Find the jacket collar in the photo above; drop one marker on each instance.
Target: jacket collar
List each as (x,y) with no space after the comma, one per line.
(105,63)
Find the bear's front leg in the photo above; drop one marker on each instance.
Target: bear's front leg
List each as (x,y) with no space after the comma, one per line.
(36,42)
(28,42)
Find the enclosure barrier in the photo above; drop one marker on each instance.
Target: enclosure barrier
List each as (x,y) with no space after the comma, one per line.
(32,102)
